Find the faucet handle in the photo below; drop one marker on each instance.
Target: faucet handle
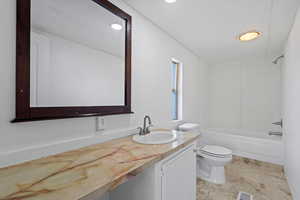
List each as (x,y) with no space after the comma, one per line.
(278,123)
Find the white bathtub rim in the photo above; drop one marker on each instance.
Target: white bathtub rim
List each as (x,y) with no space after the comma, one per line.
(214,131)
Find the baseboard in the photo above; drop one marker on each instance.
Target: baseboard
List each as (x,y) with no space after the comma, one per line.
(292,188)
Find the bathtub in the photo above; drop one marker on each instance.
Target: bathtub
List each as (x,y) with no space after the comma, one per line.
(250,144)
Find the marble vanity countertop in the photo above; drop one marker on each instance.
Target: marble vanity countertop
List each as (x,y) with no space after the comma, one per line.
(75,174)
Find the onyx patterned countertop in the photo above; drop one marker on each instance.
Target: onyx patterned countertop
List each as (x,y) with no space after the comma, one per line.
(75,174)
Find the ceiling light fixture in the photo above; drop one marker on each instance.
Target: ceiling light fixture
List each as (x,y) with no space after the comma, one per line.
(117,27)
(250,35)
(170,1)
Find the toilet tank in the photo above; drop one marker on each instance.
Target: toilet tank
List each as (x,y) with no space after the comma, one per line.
(191,127)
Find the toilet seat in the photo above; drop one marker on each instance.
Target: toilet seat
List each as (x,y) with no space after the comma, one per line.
(215,151)
(202,153)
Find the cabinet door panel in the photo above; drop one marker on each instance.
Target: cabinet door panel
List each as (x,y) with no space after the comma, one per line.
(179,177)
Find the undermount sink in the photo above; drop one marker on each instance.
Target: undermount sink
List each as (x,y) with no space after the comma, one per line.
(157,137)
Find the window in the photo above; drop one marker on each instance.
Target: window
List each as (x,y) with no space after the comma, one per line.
(176,94)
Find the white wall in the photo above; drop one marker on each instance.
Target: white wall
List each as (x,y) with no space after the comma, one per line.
(291,108)
(151,89)
(245,95)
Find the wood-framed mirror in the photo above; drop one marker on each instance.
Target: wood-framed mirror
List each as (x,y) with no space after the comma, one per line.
(73,59)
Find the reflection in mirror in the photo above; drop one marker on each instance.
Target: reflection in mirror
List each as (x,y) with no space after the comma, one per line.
(77,54)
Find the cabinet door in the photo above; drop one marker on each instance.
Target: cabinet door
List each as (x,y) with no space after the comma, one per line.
(179,177)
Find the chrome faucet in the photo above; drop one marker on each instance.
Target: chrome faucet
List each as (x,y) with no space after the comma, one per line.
(146,129)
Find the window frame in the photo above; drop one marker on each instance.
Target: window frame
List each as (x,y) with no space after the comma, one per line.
(176,89)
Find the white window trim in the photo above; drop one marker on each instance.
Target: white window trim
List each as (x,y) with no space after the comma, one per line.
(180,91)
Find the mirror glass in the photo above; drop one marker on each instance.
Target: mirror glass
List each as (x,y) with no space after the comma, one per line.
(77,54)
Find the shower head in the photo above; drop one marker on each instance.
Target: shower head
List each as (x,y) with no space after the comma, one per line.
(277,59)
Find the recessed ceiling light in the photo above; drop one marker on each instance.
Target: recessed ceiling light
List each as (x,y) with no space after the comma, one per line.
(170,1)
(250,35)
(117,27)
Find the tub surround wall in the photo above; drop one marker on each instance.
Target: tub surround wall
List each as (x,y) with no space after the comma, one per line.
(291,108)
(75,174)
(244,101)
(153,50)
(245,95)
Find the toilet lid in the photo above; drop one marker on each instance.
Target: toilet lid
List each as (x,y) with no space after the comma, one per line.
(216,150)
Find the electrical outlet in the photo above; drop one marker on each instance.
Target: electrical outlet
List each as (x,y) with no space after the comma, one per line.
(100,124)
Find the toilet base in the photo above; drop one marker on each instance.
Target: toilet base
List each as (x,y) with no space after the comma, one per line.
(216,175)
(211,167)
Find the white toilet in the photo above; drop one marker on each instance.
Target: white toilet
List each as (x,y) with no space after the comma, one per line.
(211,160)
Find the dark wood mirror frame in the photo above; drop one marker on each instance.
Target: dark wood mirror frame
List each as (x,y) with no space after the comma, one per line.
(23,110)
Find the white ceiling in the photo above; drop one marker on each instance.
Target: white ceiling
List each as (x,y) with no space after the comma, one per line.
(209,28)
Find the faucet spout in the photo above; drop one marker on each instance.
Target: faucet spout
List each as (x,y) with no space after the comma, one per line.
(146,129)
(275,133)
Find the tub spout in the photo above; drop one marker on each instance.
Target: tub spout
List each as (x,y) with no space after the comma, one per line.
(275,133)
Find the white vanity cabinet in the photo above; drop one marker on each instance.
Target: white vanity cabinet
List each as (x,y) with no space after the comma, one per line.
(173,178)
(178,178)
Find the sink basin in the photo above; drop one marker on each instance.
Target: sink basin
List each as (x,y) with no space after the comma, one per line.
(159,137)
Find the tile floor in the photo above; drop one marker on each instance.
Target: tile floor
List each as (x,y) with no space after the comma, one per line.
(264,181)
